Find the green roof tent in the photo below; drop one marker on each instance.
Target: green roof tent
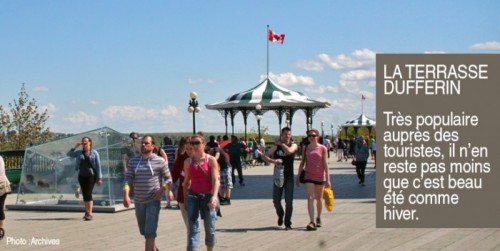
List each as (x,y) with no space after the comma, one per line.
(361,121)
(270,97)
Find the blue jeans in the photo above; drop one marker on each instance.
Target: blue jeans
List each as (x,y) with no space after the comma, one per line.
(278,193)
(236,165)
(147,215)
(198,208)
(360,171)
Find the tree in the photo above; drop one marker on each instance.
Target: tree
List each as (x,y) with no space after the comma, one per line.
(24,124)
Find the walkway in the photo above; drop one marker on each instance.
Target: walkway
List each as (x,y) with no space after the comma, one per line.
(248,224)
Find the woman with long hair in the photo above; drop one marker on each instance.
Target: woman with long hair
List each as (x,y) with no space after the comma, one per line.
(201,187)
(315,161)
(88,165)
(184,151)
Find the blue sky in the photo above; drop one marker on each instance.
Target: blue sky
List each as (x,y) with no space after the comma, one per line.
(131,65)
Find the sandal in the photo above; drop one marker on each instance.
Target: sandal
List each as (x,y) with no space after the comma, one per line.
(87,217)
(318,222)
(311,226)
(2,233)
(77,192)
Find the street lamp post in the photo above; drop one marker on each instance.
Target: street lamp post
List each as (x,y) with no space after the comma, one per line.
(322,132)
(332,130)
(193,108)
(258,107)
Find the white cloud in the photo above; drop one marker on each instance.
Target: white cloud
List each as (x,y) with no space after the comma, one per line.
(169,111)
(342,104)
(49,107)
(137,113)
(358,75)
(40,88)
(289,79)
(94,102)
(349,81)
(196,81)
(368,95)
(323,89)
(81,118)
(310,65)
(435,52)
(349,86)
(359,59)
(492,45)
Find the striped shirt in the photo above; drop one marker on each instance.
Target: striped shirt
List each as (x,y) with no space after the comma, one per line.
(146,175)
(170,151)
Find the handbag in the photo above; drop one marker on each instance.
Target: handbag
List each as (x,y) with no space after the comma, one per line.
(279,178)
(353,162)
(4,188)
(329,198)
(302,177)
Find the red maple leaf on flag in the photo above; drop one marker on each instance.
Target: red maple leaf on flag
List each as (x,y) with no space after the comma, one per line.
(274,37)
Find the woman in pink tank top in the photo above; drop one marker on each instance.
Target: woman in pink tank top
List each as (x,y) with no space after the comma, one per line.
(201,187)
(315,164)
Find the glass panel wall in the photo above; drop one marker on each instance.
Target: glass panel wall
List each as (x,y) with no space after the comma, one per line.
(50,177)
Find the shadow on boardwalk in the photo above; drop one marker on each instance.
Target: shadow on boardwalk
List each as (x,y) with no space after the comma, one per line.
(345,186)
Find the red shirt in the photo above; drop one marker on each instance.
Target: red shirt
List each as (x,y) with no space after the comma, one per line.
(223,144)
(200,180)
(178,174)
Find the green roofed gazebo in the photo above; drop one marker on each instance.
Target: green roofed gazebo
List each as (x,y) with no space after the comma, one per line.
(361,121)
(270,97)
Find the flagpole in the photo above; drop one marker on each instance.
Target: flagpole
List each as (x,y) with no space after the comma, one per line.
(267,56)
(362,103)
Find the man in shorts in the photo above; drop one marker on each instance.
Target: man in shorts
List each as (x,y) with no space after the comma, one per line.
(150,177)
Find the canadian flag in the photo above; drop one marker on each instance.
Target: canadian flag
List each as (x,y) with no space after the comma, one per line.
(273,37)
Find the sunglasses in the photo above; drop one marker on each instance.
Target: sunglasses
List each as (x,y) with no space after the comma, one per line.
(195,143)
(312,135)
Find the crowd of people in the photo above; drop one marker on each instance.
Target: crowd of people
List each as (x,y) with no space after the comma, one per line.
(201,175)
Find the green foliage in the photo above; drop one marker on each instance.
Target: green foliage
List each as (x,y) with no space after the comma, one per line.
(24,124)
(351,131)
(253,133)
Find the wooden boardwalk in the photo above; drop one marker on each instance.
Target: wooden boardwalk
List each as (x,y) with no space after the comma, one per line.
(248,224)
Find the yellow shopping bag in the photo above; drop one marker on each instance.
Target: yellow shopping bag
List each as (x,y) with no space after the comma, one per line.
(329,198)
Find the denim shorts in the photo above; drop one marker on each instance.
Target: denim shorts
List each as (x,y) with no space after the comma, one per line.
(315,182)
(147,215)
